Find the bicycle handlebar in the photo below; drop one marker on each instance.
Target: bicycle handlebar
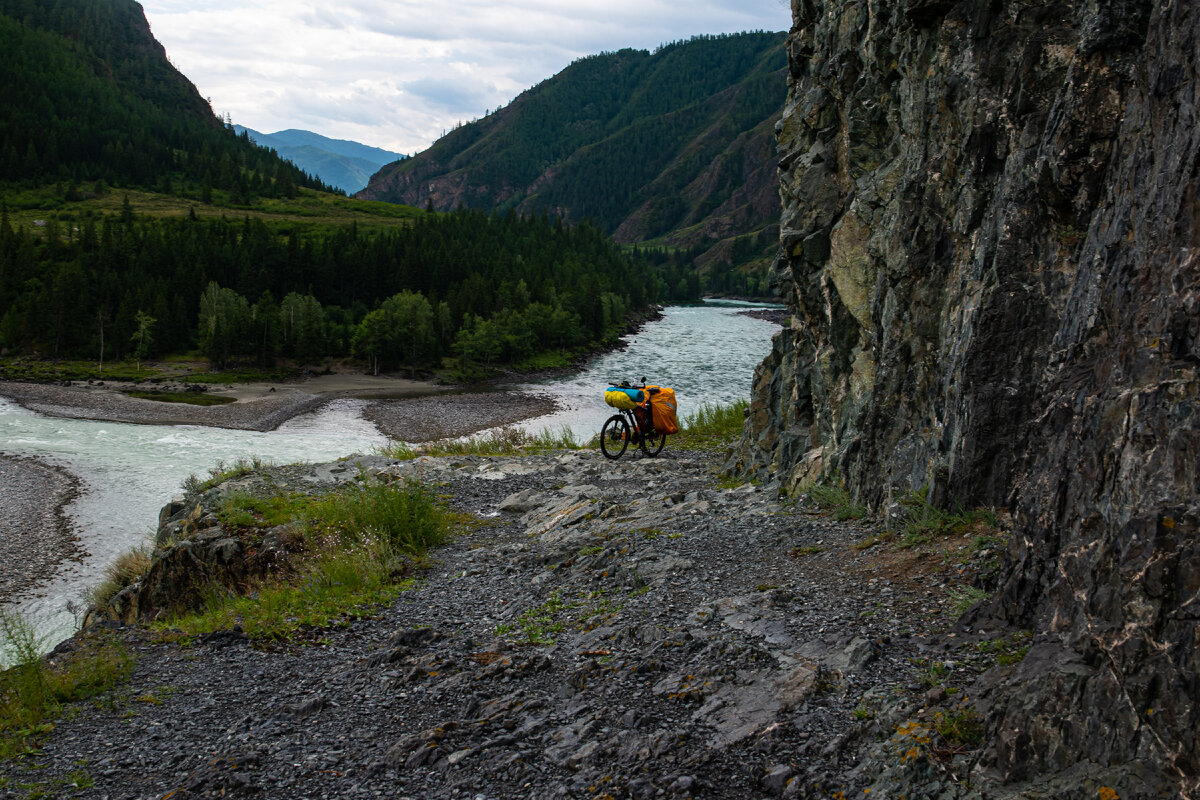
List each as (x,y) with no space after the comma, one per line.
(628,385)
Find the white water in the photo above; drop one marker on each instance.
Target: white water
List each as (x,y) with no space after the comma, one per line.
(707,354)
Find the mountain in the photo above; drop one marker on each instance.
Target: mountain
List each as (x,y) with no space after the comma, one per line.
(87,94)
(339,162)
(673,147)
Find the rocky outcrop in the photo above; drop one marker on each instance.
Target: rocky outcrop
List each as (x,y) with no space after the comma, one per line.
(198,550)
(989,248)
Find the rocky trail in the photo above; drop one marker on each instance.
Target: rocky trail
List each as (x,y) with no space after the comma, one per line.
(614,629)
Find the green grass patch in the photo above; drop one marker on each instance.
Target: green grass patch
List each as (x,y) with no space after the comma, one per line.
(360,546)
(245,510)
(310,212)
(711,425)
(190,398)
(223,472)
(924,521)
(961,727)
(35,371)
(1007,650)
(241,376)
(34,690)
(963,597)
(836,500)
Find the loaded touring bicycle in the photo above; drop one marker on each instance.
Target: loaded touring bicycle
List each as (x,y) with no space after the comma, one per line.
(645,416)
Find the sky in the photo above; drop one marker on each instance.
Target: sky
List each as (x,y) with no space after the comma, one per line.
(397,74)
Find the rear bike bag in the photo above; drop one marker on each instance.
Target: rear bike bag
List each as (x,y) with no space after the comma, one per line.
(663,410)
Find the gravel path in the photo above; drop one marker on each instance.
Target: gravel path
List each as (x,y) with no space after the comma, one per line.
(619,629)
(34,535)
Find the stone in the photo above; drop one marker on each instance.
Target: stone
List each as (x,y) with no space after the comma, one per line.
(1008,315)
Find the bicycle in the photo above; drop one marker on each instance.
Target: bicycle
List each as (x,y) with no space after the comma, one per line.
(634,424)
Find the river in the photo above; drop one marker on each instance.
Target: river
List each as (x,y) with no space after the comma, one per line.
(707,354)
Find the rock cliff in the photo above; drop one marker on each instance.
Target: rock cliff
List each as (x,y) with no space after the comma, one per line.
(989,248)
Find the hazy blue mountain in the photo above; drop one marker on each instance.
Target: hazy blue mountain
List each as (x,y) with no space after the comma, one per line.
(338,162)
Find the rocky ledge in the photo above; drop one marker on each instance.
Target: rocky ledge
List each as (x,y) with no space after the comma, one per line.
(619,629)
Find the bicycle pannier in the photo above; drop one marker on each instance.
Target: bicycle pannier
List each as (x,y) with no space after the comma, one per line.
(662,408)
(623,399)
(642,413)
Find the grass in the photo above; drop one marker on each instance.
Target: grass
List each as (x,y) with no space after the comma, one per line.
(36,371)
(711,425)
(359,547)
(223,472)
(190,398)
(961,727)
(504,441)
(34,690)
(1006,650)
(963,597)
(241,376)
(124,570)
(924,521)
(540,624)
(309,211)
(836,499)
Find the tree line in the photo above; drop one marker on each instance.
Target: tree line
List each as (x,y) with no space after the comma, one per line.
(487,288)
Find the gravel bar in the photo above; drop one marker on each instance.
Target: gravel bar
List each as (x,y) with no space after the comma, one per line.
(34,534)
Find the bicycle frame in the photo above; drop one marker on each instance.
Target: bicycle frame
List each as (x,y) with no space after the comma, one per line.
(624,427)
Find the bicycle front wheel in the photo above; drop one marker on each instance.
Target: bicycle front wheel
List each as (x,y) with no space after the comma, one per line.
(652,443)
(614,436)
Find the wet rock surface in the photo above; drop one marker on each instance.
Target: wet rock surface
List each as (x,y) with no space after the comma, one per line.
(621,629)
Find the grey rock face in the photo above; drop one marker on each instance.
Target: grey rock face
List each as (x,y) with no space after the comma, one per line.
(989,248)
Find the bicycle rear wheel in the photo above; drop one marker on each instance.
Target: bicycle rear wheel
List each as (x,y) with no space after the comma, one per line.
(614,436)
(652,443)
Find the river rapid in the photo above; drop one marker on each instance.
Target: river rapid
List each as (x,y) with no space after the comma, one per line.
(127,472)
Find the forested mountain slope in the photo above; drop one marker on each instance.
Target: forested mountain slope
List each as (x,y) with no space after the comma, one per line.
(87,94)
(212,242)
(673,147)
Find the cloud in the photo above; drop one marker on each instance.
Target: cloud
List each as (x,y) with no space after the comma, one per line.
(396,73)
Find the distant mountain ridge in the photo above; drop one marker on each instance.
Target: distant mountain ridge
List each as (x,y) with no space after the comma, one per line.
(89,95)
(339,162)
(673,147)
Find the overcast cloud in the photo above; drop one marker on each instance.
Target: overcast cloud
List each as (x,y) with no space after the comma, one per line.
(397,73)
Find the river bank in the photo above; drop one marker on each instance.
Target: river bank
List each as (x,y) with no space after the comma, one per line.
(623,629)
(34,532)
(36,536)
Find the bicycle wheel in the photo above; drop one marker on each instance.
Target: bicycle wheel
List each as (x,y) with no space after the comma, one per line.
(614,436)
(652,443)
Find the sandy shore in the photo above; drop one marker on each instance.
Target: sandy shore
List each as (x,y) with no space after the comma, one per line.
(34,535)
